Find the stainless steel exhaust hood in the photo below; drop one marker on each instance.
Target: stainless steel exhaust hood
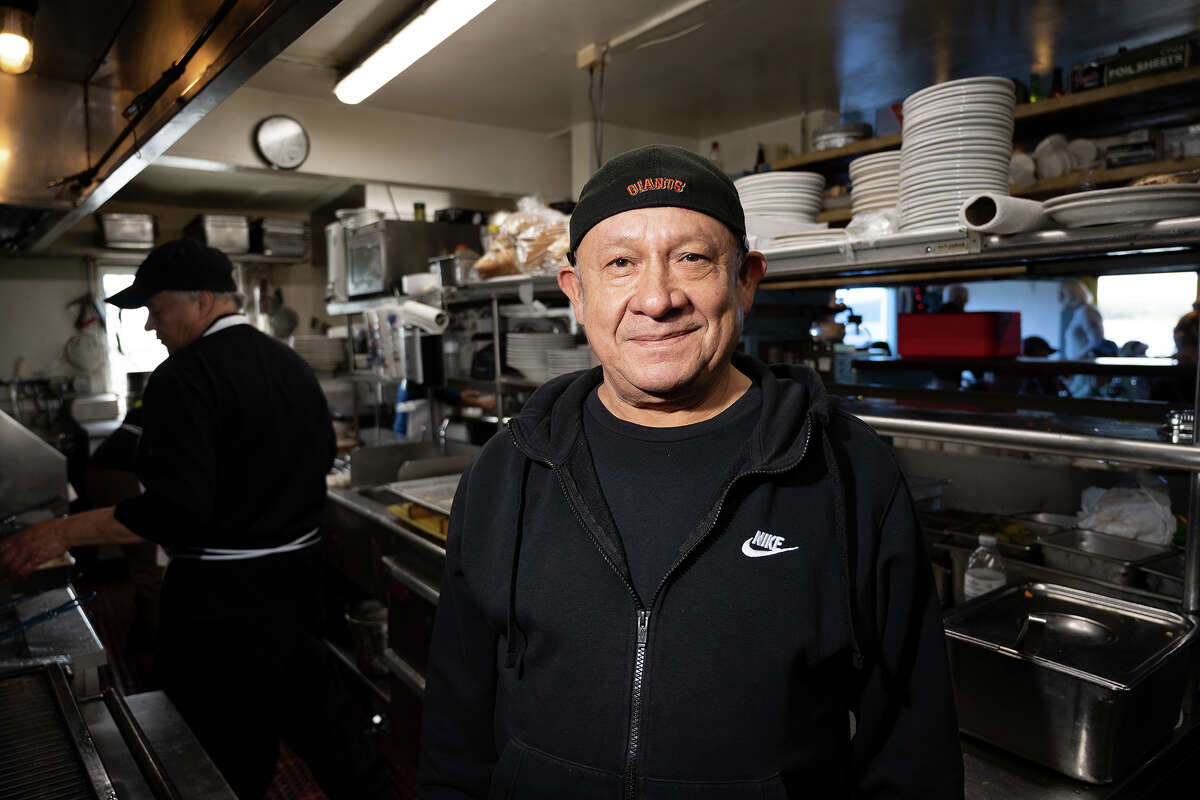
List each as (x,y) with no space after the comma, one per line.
(91,60)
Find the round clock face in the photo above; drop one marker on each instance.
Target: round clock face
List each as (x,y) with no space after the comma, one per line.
(281,141)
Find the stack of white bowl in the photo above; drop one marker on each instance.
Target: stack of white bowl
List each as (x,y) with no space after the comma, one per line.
(875,182)
(956,142)
(527,352)
(778,202)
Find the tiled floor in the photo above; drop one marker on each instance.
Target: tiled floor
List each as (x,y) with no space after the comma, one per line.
(130,671)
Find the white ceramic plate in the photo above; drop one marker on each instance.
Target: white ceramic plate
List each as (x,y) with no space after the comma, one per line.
(1126,204)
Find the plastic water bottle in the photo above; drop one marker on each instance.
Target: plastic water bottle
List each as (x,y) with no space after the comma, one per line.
(985,569)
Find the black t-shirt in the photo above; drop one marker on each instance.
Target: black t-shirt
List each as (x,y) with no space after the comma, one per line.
(660,482)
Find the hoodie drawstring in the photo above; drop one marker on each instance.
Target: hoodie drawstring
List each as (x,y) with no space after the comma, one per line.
(839,519)
(511,656)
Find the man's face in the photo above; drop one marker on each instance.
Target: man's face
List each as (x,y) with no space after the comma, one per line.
(176,321)
(661,296)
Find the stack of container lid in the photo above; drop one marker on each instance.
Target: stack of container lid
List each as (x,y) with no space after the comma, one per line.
(956,142)
(875,182)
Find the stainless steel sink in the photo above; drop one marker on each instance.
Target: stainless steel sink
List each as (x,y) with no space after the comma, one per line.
(372,466)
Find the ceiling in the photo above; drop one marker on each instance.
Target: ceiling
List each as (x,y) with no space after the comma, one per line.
(732,63)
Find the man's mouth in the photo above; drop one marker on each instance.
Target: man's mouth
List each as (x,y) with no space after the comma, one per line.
(655,338)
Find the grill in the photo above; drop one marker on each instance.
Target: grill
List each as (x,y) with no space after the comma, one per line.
(46,752)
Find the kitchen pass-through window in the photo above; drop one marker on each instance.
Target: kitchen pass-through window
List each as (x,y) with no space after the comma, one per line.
(131,348)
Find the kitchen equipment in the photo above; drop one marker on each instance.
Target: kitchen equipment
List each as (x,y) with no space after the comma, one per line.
(47,746)
(973,334)
(1164,575)
(322,353)
(840,135)
(436,492)
(1125,204)
(1098,555)
(368,626)
(335,262)
(1079,682)
(229,233)
(45,616)
(127,231)
(379,253)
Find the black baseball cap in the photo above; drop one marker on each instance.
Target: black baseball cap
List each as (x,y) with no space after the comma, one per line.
(182,265)
(657,175)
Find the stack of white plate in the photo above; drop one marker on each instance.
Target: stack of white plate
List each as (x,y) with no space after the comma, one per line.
(560,362)
(875,182)
(774,199)
(322,353)
(527,352)
(956,142)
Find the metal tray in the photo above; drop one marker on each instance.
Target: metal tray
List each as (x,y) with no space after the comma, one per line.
(958,528)
(1165,575)
(1060,521)
(1083,683)
(1110,558)
(436,493)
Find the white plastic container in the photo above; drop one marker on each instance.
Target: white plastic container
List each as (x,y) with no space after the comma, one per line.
(985,569)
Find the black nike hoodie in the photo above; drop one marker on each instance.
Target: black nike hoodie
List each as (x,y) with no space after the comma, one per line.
(549,677)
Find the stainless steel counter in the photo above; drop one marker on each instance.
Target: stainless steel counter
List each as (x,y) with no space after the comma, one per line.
(351,500)
(183,759)
(69,636)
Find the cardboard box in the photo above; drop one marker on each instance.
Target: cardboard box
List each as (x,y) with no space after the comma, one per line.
(967,334)
(1152,59)
(1181,142)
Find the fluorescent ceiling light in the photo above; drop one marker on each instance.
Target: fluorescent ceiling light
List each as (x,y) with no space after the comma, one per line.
(423,33)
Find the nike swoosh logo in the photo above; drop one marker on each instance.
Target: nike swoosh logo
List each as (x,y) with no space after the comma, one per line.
(747,550)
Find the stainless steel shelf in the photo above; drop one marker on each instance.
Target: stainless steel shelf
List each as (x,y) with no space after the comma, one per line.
(1102,247)
(1102,448)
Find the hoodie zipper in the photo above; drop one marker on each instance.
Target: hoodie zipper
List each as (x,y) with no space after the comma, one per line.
(633,746)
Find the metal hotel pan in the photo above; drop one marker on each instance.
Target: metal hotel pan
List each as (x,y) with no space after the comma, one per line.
(1079,682)
(1165,575)
(1099,555)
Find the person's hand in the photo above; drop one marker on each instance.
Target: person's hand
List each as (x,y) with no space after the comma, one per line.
(24,552)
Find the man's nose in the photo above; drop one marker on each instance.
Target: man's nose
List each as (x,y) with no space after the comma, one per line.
(149,326)
(657,292)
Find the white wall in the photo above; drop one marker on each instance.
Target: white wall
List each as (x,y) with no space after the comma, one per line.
(34,320)
(739,148)
(377,145)
(616,141)
(1036,300)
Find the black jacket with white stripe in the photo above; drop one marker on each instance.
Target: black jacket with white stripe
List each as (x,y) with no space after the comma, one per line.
(550,678)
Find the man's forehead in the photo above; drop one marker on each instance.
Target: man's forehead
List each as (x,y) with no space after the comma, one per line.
(660,225)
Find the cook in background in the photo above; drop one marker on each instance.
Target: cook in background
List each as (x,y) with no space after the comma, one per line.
(1187,336)
(236,441)
(954,299)
(1081,333)
(683,568)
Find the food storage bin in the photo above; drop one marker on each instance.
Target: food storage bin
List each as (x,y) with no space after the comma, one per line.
(1098,555)
(229,233)
(1079,682)
(127,231)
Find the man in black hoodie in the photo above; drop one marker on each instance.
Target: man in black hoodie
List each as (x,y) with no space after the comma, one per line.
(683,574)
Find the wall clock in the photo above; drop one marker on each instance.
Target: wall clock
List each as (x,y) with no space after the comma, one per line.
(281,141)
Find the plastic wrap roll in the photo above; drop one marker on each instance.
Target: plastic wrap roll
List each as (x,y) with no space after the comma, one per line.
(999,213)
(426,317)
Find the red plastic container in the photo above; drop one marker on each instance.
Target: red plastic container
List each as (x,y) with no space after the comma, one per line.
(973,334)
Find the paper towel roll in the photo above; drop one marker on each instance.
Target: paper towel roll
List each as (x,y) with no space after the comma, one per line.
(426,317)
(999,213)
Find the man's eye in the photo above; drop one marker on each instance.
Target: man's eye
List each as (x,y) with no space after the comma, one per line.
(620,262)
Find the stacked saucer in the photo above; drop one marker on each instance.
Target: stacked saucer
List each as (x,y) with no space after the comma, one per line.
(956,142)
(528,352)
(774,199)
(560,362)
(875,182)
(323,354)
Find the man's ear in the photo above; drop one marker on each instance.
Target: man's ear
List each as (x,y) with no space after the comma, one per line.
(568,281)
(751,271)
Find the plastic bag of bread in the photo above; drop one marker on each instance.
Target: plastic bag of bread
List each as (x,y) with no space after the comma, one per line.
(532,239)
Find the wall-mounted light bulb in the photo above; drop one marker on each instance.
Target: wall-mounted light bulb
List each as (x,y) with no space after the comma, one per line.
(16,40)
